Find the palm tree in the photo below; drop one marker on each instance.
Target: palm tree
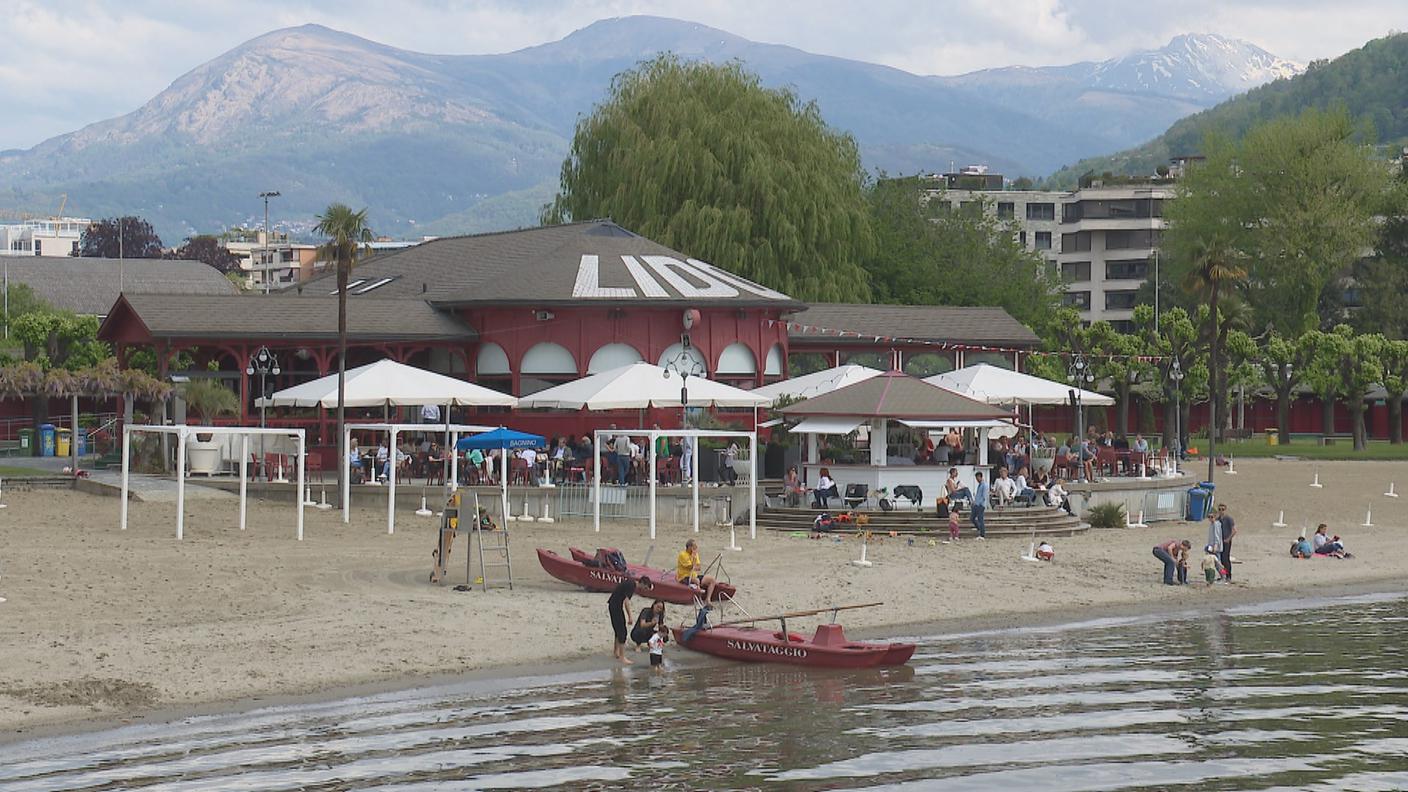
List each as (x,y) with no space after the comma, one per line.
(348,237)
(1214,269)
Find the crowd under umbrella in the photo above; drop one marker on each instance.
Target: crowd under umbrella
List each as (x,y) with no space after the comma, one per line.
(503,440)
(386,384)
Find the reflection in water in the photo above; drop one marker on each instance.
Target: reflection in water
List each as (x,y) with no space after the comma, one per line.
(1296,696)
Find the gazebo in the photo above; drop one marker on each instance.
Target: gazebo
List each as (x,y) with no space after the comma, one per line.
(875,403)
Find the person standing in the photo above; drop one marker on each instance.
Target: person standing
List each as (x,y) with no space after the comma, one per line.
(686,459)
(622,446)
(980,506)
(1215,533)
(1229,530)
(618,606)
(1168,553)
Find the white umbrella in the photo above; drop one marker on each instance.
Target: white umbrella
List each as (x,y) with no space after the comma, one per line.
(638,386)
(996,385)
(388,383)
(818,382)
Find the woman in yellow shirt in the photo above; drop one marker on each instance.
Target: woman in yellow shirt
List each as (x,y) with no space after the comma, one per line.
(689,572)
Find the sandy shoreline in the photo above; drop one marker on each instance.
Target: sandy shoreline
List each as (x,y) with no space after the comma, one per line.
(102,626)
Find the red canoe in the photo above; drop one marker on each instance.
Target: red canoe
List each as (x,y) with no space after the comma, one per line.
(576,571)
(828,648)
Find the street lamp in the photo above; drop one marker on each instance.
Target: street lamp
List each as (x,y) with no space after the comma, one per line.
(1080,375)
(263,363)
(1175,375)
(264,255)
(1156,291)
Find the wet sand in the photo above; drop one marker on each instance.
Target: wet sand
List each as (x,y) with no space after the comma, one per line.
(103,625)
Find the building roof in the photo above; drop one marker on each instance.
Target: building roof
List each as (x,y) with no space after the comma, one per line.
(282,316)
(90,286)
(895,394)
(943,323)
(597,261)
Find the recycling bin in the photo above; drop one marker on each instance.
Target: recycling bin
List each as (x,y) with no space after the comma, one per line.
(63,442)
(47,439)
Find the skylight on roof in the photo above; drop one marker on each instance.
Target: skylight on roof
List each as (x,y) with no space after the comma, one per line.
(354,284)
(376,284)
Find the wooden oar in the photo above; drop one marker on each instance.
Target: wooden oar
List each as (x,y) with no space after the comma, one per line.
(796,614)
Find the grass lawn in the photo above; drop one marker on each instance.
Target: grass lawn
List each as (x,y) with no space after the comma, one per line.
(15,471)
(1306,449)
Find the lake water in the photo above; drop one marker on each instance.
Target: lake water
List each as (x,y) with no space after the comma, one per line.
(1309,695)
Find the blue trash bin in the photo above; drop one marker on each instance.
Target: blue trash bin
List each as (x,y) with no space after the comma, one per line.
(1212,498)
(48,439)
(1198,503)
(81,438)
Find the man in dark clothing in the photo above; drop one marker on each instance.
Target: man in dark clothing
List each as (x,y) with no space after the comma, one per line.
(1229,530)
(619,607)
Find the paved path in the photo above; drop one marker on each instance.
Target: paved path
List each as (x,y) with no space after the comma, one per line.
(158,488)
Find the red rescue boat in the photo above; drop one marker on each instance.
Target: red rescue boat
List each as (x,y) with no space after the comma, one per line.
(589,572)
(828,648)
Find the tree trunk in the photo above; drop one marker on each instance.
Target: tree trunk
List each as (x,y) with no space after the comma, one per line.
(1122,417)
(1356,408)
(1327,414)
(341,376)
(1215,381)
(1170,418)
(1184,430)
(1395,418)
(1283,412)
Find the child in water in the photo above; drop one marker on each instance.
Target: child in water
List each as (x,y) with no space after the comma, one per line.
(657,648)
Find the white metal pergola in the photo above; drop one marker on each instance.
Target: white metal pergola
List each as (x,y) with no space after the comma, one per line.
(183,433)
(692,433)
(453,430)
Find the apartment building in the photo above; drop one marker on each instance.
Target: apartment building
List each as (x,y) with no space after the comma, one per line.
(279,263)
(1034,213)
(1110,237)
(53,236)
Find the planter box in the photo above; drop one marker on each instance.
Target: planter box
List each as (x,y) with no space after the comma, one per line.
(203,457)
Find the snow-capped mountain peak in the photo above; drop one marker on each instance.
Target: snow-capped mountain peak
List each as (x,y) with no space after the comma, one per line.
(1193,66)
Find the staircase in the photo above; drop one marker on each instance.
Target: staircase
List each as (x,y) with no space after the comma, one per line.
(1013,521)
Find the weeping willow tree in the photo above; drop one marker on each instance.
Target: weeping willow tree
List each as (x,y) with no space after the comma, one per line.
(702,158)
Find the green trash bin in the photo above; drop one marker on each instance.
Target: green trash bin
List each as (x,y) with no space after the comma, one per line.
(27,441)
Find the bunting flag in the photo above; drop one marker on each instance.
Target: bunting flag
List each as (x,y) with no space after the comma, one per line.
(953,346)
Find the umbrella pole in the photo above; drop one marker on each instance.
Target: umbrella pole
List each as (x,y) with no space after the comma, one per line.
(503,480)
(596,480)
(650,473)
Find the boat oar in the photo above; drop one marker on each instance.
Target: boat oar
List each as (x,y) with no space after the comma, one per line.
(797,614)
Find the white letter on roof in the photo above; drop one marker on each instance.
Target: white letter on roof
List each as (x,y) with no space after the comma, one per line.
(648,285)
(745,285)
(588,282)
(666,267)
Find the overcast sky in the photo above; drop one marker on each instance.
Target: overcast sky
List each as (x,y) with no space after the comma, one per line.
(66,63)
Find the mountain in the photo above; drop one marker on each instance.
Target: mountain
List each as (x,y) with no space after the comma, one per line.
(1370,82)
(455,143)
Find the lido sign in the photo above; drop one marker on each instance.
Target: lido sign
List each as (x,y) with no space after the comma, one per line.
(690,279)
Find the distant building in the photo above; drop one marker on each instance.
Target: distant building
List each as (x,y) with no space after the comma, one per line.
(54,236)
(280,262)
(90,286)
(1033,213)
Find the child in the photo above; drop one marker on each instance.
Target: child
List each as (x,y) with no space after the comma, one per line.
(953,525)
(822,524)
(1210,564)
(1045,551)
(657,648)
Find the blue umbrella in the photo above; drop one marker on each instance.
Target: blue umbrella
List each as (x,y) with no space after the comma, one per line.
(501,438)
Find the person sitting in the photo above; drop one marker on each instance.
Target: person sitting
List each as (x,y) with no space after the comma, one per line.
(689,572)
(1004,488)
(941,454)
(1024,491)
(792,488)
(822,524)
(825,488)
(1058,497)
(382,454)
(1302,548)
(955,489)
(1088,451)
(354,462)
(1332,547)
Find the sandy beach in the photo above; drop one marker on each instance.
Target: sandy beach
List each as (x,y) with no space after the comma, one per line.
(103,625)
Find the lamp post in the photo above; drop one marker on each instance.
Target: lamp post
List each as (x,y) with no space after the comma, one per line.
(263,363)
(1175,375)
(1080,375)
(264,254)
(1156,291)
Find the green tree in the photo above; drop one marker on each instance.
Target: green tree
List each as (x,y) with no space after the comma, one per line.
(120,237)
(702,158)
(348,237)
(209,250)
(1177,339)
(1283,363)
(1382,280)
(21,300)
(1214,269)
(1393,360)
(1348,366)
(924,256)
(1116,360)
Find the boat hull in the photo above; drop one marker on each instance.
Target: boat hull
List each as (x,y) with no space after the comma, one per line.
(756,645)
(573,570)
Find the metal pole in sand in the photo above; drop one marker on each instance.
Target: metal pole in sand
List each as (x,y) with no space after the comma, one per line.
(126,466)
(302,478)
(244,476)
(180,483)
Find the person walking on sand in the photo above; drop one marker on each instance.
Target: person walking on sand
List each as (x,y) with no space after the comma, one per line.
(980,506)
(1229,530)
(618,606)
(953,525)
(1167,552)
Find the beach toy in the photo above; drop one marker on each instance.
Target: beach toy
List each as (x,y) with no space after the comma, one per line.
(933,543)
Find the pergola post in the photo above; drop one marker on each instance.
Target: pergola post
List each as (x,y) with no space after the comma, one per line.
(181,482)
(391,483)
(346,476)
(694,461)
(753,483)
(454,482)
(650,473)
(244,475)
(298,494)
(596,480)
(126,466)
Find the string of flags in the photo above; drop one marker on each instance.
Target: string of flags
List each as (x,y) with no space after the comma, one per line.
(949,345)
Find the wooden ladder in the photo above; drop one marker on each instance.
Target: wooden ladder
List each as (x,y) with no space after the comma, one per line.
(496,549)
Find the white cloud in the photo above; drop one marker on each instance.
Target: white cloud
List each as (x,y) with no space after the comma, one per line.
(67,63)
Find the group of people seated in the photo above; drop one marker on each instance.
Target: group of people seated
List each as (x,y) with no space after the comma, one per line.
(1319,544)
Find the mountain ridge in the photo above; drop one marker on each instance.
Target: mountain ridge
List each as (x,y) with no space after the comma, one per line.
(425,138)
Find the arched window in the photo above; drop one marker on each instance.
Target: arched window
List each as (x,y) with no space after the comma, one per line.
(492,361)
(613,356)
(998,359)
(927,364)
(772,366)
(545,365)
(737,365)
(673,355)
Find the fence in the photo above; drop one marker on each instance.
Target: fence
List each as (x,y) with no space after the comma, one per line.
(674,506)
(1164,505)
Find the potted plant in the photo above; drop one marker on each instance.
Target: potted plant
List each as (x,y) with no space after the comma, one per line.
(208,399)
